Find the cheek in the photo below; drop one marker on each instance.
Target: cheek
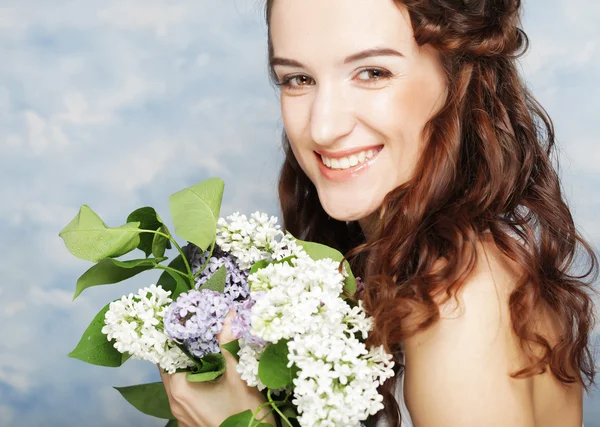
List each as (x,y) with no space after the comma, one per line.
(402,112)
(294,117)
(294,125)
(408,109)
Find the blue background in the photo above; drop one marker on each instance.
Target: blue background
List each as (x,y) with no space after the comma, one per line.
(119,104)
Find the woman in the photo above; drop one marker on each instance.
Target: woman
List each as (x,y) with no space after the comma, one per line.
(412,143)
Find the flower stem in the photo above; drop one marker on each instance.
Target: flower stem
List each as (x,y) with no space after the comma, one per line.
(274,406)
(212,248)
(167,268)
(185,261)
(253,418)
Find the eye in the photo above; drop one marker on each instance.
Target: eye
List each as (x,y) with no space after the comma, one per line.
(286,81)
(377,72)
(303,80)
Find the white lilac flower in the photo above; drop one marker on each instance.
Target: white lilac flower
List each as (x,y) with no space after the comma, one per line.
(254,239)
(196,318)
(358,319)
(337,376)
(297,297)
(135,322)
(337,379)
(247,366)
(236,282)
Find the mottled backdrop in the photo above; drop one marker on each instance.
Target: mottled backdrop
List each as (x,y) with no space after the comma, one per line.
(118,104)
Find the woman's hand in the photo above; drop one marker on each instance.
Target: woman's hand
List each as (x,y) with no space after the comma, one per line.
(208,404)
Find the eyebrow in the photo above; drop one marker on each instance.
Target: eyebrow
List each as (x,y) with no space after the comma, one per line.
(368,53)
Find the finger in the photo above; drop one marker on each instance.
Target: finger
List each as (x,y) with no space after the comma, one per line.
(226,335)
(189,399)
(165,379)
(178,381)
(231,376)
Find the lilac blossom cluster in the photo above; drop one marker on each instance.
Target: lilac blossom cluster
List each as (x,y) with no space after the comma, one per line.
(195,319)
(338,376)
(254,239)
(197,316)
(135,323)
(236,283)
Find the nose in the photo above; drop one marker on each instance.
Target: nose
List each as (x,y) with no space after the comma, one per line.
(332,116)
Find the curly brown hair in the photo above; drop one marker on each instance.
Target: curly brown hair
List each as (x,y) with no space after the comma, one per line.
(487,165)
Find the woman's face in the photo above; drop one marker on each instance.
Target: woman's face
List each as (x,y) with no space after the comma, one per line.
(358,91)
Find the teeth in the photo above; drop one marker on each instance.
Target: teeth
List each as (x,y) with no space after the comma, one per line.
(350,161)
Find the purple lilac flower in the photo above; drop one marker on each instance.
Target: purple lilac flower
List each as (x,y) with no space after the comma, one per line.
(201,348)
(360,285)
(241,323)
(195,319)
(236,285)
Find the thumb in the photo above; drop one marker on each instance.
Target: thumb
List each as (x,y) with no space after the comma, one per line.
(226,335)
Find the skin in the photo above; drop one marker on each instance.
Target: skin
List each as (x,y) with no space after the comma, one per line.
(459,367)
(335,106)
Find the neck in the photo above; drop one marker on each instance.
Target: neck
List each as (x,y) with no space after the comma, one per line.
(368,224)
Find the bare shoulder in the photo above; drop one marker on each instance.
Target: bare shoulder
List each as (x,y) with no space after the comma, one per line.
(481,305)
(462,364)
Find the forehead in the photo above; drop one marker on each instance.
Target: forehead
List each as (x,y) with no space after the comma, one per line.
(311,29)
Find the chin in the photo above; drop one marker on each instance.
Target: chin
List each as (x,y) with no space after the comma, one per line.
(347,208)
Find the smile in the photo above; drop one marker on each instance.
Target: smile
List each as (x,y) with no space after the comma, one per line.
(342,166)
(349,161)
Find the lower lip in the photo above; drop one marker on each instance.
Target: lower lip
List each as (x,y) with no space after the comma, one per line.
(341,175)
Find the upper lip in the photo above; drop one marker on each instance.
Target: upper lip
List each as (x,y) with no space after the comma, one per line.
(345,153)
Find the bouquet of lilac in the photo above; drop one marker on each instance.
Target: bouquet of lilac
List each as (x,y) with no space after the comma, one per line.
(299,339)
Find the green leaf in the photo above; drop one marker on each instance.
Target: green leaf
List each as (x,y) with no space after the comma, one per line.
(295,369)
(289,412)
(201,377)
(212,366)
(87,237)
(149,220)
(134,263)
(172,423)
(216,282)
(262,263)
(174,282)
(232,347)
(195,211)
(318,251)
(151,399)
(94,346)
(287,259)
(160,243)
(212,362)
(109,271)
(242,420)
(272,366)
